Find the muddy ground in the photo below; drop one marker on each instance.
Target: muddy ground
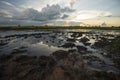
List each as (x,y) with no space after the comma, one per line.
(59,55)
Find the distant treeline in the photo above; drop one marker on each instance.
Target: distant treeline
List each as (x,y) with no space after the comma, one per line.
(55,27)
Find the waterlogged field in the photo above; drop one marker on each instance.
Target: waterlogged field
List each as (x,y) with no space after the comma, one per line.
(56,54)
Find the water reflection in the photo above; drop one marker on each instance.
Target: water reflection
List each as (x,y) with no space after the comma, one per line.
(35,41)
(88,43)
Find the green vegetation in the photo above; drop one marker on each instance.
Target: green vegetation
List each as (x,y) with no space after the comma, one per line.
(56,27)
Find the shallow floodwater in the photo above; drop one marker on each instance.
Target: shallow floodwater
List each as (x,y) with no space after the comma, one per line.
(39,42)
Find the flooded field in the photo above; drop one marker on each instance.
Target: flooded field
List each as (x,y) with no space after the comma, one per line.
(89,47)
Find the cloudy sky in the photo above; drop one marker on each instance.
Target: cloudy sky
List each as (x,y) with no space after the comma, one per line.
(59,12)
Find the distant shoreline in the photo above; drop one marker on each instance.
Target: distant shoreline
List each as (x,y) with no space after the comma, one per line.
(55,27)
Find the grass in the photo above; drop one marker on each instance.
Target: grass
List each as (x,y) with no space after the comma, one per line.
(56,27)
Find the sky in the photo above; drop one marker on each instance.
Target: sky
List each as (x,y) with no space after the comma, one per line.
(59,12)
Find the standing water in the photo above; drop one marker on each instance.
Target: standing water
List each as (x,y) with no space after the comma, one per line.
(91,45)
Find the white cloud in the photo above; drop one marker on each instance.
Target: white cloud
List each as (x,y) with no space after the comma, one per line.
(7,3)
(90,14)
(5,13)
(12,6)
(39,4)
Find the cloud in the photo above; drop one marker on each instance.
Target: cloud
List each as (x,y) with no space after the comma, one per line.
(20,22)
(105,14)
(11,6)
(7,3)
(38,4)
(72,3)
(67,9)
(50,12)
(5,14)
(47,14)
(65,16)
(90,14)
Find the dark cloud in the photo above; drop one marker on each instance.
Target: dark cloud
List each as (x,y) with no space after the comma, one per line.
(21,22)
(65,16)
(50,12)
(67,9)
(47,13)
